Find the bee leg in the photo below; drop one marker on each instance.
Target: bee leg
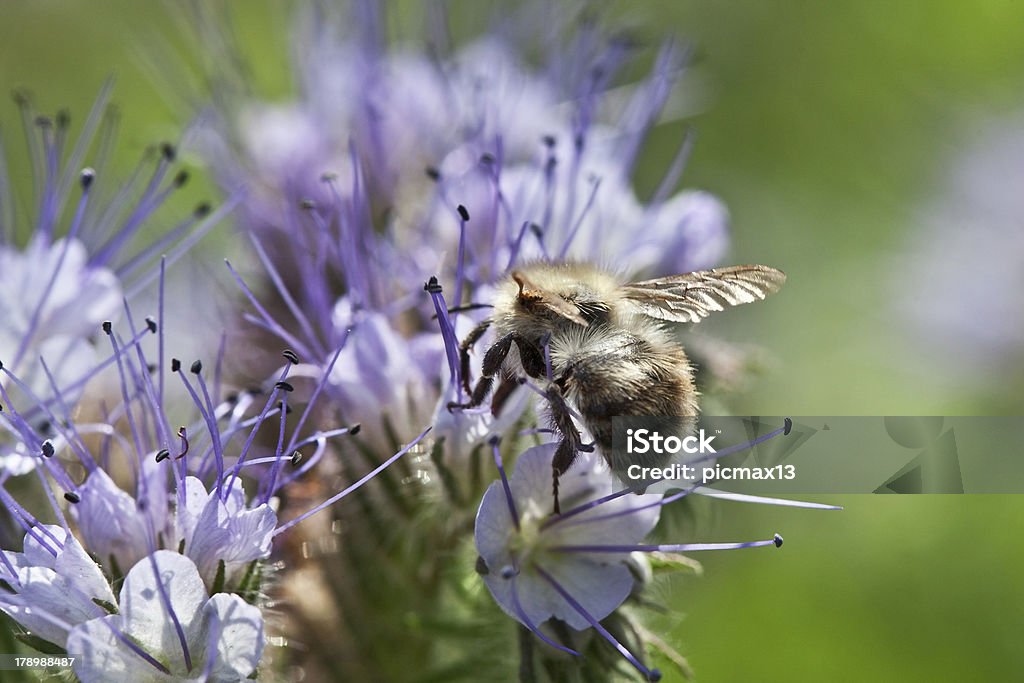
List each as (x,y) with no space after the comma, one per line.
(532,358)
(509,383)
(571,443)
(493,359)
(472,338)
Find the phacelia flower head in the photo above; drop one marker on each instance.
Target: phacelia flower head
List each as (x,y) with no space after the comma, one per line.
(67,267)
(394,163)
(578,566)
(137,498)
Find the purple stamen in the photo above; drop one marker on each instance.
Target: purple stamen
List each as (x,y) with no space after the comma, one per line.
(269,485)
(171,613)
(185,245)
(137,649)
(286,296)
(451,344)
(580,509)
(269,323)
(667,548)
(460,271)
(320,385)
(272,402)
(33,324)
(504,482)
(596,184)
(675,171)
(784,502)
(521,613)
(649,674)
(333,499)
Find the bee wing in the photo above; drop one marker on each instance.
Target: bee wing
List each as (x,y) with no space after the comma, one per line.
(691,297)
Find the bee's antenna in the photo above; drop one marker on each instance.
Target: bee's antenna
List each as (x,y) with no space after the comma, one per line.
(518,278)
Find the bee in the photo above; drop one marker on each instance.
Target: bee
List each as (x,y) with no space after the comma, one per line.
(601,345)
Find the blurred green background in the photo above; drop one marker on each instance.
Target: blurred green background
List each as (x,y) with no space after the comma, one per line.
(826,128)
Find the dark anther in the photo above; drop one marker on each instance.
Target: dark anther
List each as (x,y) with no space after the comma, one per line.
(788,428)
(48,449)
(508,571)
(231,399)
(291,356)
(151,368)
(433,173)
(328,176)
(20,97)
(481,566)
(284,386)
(175,365)
(487,158)
(181,178)
(107,327)
(72,497)
(549,140)
(494,440)
(86,177)
(168,151)
(579,141)
(197,367)
(183,435)
(63,118)
(162,454)
(1,365)
(307,204)
(463,213)
(151,324)
(354,429)
(778,541)
(654,675)
(537,230)
(586,448)
(296,458)
(432,286)
(281,405)
(44,121)
(255,391)
(202,210)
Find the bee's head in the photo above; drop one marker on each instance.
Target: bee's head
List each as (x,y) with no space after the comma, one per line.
(550,306)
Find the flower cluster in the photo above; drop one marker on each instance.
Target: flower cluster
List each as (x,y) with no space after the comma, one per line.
(165,493)
(67,268)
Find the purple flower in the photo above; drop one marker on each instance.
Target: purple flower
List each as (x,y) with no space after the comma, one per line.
(181,513)
(581,565)
(168,628)
(963,266)
(67,268)
(53,585)
(393,164)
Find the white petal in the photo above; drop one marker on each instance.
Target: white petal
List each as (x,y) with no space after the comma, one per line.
(238,628)
(100,656)
(144,612)
(48,604)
